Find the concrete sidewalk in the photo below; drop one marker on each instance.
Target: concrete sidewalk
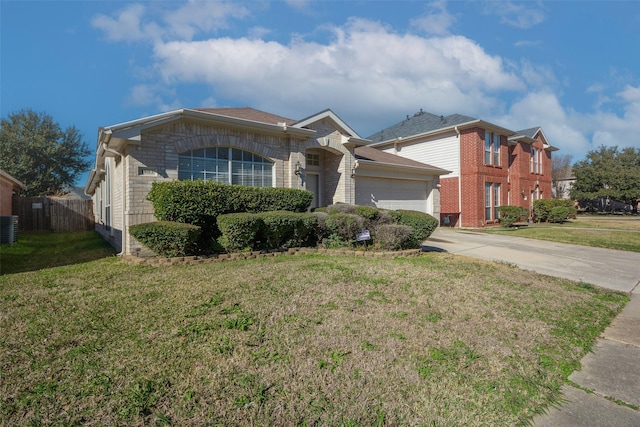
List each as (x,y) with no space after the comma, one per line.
(607,391)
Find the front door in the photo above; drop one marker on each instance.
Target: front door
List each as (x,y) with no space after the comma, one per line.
(313,185)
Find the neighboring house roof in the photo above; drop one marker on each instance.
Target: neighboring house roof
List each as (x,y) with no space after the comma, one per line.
(529,136)
(423,123)
(13,181)
(374,157)
(248,113)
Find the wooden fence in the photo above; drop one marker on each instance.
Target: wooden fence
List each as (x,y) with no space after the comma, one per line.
(53,214)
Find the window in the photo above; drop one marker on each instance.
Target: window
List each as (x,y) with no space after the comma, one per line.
(107,196)
(491,201)
(536,160)
(313,159)
(491,148)
(226,165)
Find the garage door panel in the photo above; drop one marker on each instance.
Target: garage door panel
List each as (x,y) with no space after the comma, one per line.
(392,193)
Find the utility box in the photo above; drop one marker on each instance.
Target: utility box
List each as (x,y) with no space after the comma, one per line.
(8,229)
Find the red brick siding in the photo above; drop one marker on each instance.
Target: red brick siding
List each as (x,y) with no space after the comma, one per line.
(6,198)
(475,174)
(449,201)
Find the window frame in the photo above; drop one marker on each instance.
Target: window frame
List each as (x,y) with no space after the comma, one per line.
(491,148)
(491,201)
(230,165)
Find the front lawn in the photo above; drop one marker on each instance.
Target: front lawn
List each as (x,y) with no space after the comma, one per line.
(291,340)
(601,232)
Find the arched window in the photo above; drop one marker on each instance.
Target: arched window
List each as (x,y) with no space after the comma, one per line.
(227,165)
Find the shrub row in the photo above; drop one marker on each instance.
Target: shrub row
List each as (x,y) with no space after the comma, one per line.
(201,202)
(166,238)
(268,230)
(542,210)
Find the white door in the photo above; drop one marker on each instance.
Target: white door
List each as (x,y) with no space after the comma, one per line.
(392,193)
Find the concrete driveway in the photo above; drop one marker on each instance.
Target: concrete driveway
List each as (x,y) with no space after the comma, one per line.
(608,268)
(611,373)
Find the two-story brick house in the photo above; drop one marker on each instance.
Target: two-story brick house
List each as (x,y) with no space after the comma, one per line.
(490,165)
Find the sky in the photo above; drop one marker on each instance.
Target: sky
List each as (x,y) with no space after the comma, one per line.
(570,67)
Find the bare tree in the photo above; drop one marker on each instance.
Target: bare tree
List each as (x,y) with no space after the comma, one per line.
(561,173)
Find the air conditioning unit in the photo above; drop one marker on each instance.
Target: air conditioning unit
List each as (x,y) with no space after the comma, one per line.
(9,229)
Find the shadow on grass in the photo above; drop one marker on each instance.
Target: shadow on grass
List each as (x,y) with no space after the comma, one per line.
(35,251)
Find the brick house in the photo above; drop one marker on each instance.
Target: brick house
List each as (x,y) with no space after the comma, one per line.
(320,153)
(490,165)
(9,187)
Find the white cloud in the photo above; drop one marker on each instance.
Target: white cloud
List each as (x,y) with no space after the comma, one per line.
(521,15)
(127,25)
(630,94)
(202,16)
(365,66)
(437,20)
(136,22)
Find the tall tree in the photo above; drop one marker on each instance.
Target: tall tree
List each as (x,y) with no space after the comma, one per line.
(560,174)
(38,152)
(609,173)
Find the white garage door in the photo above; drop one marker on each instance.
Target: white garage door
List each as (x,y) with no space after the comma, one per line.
(392,193)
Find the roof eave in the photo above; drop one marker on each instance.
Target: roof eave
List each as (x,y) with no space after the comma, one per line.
(429,171)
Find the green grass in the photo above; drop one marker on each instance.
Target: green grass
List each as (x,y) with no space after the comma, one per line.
(35,251)
(601,232)
(291,340)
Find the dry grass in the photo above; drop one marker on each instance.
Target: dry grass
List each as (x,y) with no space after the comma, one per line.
(305,340)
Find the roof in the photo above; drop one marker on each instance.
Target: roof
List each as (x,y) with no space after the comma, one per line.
(14,182)
(421,122)
(248,113)
(375,155)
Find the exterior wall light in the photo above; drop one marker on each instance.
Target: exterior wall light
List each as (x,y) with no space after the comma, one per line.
(298,168)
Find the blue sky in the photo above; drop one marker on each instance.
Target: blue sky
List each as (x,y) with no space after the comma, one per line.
(572,67)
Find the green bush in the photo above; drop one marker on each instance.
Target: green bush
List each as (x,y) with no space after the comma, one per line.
(392,236)
(166,238)
(558,214)
(283,229)
(422,224)
(511,214)
(240,231)
(542,208)
(201,202)
(344,226)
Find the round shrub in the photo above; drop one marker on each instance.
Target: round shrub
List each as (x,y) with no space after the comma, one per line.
(165,238)
(392,236)
(422,224)
(344,226)
(511,214)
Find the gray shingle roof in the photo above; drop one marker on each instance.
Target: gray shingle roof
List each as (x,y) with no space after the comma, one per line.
(529,133)
(419,123)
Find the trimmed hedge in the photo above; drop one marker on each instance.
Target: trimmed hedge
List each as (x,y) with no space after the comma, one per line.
(422,223)
(240,231)
(392,236)
(344,226)
(558,214)
(542,208)
(201,202)
(166,238)
(282,229)
(511,214)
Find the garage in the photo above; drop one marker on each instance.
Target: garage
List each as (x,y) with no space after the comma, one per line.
(392,193)
(387,181)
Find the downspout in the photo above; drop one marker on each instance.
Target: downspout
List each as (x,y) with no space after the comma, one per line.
(459,178)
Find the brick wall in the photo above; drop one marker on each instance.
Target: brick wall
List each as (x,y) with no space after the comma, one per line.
(6,197)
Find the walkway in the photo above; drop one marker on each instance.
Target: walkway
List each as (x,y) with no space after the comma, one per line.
(607,389)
